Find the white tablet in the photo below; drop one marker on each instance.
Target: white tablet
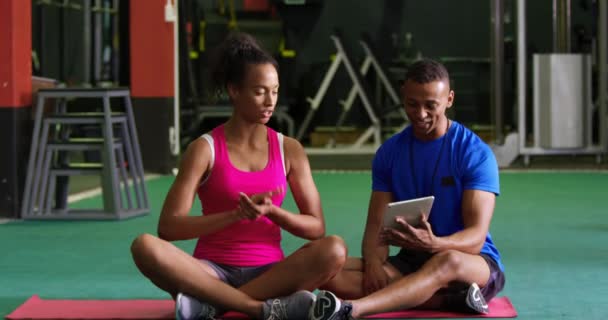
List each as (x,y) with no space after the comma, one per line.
(411,210)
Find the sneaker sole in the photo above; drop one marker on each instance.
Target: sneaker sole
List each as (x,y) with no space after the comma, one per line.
(326,301)
(177,303)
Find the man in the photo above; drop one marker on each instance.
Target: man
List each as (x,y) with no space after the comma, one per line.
(449,261)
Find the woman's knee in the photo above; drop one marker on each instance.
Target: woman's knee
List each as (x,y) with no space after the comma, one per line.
(332,253)
(144,247)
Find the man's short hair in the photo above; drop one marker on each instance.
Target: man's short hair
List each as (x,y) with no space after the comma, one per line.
(425,71)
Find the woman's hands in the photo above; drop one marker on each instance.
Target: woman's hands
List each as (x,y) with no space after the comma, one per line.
(257,205)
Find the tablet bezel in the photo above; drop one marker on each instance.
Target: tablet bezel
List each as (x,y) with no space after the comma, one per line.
(411,210)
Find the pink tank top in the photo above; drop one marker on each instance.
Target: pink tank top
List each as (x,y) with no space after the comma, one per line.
(246,242)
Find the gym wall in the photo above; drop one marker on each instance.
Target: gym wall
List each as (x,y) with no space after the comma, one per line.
(15,101)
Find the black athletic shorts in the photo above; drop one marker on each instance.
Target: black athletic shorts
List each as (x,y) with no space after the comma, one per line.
(236,276)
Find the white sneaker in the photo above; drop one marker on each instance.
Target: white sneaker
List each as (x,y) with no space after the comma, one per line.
(189,308)
(475,299)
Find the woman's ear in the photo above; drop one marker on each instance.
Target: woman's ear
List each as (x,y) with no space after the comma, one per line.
(233,90)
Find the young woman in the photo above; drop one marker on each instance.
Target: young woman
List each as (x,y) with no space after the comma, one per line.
(240,171)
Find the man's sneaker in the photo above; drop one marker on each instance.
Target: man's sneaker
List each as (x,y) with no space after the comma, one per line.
(475,299)
(329,307)
(292,307)
(189,308)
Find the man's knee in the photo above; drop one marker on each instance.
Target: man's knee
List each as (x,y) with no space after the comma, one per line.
(448,265)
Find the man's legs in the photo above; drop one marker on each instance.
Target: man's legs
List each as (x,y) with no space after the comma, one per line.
(348,283)
(417,288)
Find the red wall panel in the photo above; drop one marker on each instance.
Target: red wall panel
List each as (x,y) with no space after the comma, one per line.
(151,49)
(15,53)
(255,5)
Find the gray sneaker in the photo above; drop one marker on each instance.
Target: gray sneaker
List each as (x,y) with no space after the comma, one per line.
(189,308)
(475,299)
(292,307)
(329,307)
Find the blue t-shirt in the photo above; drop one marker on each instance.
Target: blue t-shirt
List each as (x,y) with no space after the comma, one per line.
(410,168)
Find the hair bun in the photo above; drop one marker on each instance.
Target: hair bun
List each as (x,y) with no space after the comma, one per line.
(239,43)
(228,61)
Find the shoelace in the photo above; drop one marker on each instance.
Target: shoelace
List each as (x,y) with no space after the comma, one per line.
(344,312)
(277,311)
(207,313)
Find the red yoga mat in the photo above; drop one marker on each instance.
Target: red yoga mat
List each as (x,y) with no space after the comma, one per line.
(35,308)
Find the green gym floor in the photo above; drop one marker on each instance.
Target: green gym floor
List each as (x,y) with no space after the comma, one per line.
(551,229)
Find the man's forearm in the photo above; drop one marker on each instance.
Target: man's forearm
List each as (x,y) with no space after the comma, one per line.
(371,248)
(469,240)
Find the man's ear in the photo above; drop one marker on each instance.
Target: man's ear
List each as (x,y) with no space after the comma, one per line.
(450,99)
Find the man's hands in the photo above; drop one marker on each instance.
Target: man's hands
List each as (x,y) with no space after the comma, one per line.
(257,205)
(408,237)
(374,276)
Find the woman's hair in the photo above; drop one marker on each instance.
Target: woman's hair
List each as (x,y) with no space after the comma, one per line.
(229,61)
(425,71)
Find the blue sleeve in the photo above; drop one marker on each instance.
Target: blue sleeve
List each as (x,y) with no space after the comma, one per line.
(481,170)
(381,171)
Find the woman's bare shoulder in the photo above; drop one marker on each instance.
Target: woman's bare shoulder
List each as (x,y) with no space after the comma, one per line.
(293,147)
